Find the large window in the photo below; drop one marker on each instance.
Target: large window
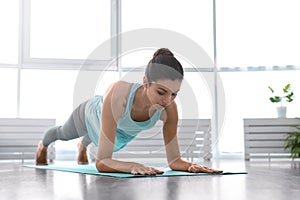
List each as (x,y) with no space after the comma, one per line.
(256,45)
(247,96)
(253,33)
(63,33)
(192,19)
(68,29)
(254,37)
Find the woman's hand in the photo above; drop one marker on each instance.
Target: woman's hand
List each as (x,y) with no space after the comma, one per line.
(183,165)
(111,166)
(196,168)
(144,170)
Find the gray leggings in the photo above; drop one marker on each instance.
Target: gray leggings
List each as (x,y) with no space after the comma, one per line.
(73,128)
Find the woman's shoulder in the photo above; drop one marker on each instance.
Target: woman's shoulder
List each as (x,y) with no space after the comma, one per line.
(118,86)
(118,92)
(116,97)
(122,83)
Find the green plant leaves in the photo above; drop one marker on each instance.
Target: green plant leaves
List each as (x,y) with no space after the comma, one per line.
(293,142)
(275,99)
(287,88)
(288,95)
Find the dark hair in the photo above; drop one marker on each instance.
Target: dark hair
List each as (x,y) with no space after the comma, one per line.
(163,66)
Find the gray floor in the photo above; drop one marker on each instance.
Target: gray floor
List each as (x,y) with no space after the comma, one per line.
(265,180)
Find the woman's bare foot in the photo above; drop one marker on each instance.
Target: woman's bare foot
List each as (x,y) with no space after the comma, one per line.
(41,155)
(82,156)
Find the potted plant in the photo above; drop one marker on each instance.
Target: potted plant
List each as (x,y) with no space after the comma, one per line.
(293,142)
(286,95)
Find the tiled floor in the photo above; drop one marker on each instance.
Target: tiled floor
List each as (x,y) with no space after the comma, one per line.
(265,180)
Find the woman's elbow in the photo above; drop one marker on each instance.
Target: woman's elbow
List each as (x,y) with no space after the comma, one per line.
(172,166)
(101,167)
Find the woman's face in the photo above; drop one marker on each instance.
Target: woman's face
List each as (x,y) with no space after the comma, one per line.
(161,93)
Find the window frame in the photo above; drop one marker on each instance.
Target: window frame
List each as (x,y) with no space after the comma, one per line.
(29,62)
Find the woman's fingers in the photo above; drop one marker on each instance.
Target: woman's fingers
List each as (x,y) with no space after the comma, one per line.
(158,171)
(194,168)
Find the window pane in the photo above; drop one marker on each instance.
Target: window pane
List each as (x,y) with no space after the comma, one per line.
(196,95)
(192,18)
(246,98)
(47,94)
(8,89)
(258,33)
(9,26)
(68,29)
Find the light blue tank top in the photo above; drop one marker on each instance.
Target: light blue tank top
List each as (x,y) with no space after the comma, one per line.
(127,128)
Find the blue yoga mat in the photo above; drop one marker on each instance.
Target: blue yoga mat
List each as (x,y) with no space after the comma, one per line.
(91,169)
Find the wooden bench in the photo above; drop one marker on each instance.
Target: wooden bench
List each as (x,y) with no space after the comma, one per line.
(194,136)
(265,137)
(19,138)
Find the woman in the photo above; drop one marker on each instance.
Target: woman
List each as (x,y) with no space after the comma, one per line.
(126,109)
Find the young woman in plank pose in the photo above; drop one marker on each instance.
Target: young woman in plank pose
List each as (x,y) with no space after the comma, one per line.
(112,120)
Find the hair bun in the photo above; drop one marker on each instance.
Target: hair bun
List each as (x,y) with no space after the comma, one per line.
(163,52)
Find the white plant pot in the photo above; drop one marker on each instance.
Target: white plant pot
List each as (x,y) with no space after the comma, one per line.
(281,112)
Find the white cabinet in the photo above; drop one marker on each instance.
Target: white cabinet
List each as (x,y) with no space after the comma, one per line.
(266,137)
